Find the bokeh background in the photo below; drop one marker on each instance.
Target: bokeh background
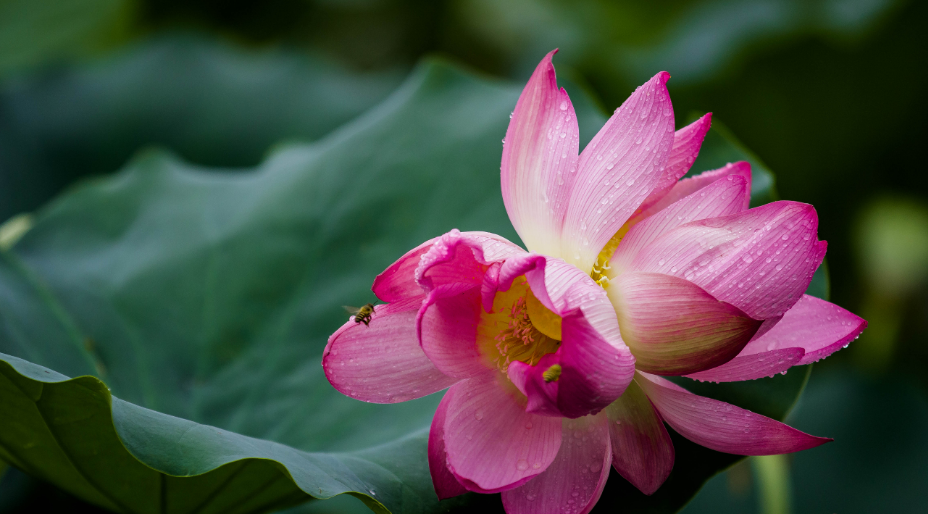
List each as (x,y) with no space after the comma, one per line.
(831,94)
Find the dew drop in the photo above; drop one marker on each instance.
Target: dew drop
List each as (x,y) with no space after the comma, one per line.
(522,465)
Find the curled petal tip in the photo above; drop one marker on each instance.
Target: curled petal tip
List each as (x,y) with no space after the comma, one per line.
(664,76)
(705,122)
(813,441)
(740,165)
(548,57)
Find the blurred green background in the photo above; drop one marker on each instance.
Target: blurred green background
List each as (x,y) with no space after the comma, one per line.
(831,94)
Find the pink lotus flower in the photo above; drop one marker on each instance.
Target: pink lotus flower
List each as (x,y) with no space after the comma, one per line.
(552,357)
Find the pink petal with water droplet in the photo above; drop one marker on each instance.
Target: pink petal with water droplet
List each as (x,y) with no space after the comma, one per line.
(721,426)
(719,198)
(811,330)
(491,443)
(760,260)
(688,186)
(617,170)
(539,162)
(573,483)
(686,144)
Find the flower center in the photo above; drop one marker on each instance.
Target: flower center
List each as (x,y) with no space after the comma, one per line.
(519,328)
(601,266)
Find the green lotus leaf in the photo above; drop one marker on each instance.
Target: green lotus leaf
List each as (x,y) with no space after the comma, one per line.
(191,306)
(211,103)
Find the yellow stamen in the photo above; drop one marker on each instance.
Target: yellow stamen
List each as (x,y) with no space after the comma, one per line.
(509,332)
(601,266)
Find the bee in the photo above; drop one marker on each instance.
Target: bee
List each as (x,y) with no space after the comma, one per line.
(361,315)
(552,374)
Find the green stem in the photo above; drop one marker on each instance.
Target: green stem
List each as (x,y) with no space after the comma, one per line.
(772,472)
